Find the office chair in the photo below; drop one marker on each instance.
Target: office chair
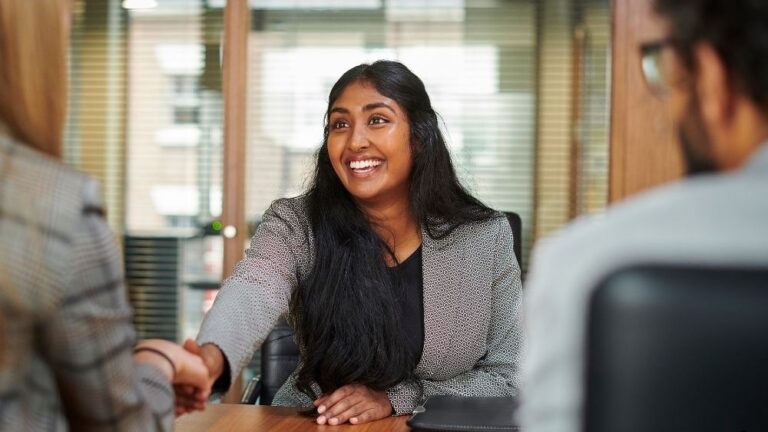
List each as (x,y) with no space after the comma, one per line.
(517,233)
(279,358)
(280,355)
(678,348)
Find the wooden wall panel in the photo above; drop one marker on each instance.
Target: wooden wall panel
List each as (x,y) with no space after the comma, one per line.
(644,150)
(236,27)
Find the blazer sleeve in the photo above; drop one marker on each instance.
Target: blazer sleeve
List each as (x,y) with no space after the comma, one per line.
(88,340)
(258,292)
(497,373)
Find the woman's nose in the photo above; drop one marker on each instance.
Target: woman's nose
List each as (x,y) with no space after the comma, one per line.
(359,139)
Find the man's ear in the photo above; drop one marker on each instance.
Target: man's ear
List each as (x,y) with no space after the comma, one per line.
(716,95)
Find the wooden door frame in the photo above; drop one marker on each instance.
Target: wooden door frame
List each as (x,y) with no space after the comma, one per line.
(643,149)
(234,81)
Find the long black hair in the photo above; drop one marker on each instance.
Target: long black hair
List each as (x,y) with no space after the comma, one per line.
(345,312)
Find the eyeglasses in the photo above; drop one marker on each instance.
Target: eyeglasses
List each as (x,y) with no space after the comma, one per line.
(651,62)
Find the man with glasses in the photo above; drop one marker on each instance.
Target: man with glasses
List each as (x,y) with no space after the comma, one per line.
(711,71)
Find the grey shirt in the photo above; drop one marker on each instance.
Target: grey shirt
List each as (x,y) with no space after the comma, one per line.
(472,296)
(710,219)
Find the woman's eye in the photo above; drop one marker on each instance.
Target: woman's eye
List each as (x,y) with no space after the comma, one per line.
(339,124)
(377,120)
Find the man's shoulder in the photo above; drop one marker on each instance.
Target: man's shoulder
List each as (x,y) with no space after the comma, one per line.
(590,231)
(691,218)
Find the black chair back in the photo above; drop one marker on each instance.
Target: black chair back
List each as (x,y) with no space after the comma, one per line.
(279,358)
(678,349)
(517,233)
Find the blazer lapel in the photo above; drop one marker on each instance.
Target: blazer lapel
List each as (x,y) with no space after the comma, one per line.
(441,267)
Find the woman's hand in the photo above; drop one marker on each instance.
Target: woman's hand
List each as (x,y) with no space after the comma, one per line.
(354,403)
(188,399)
(182,368)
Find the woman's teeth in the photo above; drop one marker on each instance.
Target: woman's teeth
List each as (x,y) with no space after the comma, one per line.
(363,164)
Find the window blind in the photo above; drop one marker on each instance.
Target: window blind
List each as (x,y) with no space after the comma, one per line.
(145,119)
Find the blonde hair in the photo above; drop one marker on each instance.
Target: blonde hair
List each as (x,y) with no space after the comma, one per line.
(33,71)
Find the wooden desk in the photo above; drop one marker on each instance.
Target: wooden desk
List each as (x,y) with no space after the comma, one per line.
(256,418)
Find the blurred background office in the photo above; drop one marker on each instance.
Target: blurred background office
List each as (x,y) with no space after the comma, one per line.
(523,86)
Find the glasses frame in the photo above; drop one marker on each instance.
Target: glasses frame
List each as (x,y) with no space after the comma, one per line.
(650,65)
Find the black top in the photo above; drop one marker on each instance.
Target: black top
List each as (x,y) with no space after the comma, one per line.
(411,301)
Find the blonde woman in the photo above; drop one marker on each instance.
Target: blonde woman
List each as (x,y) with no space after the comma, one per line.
(68,353)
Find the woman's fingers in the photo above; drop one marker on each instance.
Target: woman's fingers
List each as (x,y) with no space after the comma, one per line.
(191,346)
(320,401)
(329,415)
(335,397)
(187,399)
(353,403)
(355,409)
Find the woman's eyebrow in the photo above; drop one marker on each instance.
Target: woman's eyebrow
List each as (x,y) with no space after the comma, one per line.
(341,110)
(369,107)
(373,106)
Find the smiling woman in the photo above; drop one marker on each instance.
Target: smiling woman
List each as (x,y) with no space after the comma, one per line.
(399,284)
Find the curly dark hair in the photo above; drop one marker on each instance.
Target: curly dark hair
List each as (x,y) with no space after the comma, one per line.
(736,29)
(345,313)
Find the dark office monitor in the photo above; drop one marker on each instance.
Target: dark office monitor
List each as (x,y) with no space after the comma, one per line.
(678,349)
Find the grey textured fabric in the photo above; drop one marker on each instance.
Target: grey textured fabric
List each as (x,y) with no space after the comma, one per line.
(64,315)
(472,296)
(719,219)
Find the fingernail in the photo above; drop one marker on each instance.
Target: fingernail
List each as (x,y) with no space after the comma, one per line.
(353,420)
(321,409)
(333,421)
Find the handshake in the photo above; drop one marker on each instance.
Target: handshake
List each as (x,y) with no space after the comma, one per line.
(191,369)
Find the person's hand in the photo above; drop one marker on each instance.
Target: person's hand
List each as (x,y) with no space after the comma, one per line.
(354,403)
(183,369)
(188,399)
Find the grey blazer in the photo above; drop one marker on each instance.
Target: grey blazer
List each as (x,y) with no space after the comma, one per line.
(65,324)
(472,296)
